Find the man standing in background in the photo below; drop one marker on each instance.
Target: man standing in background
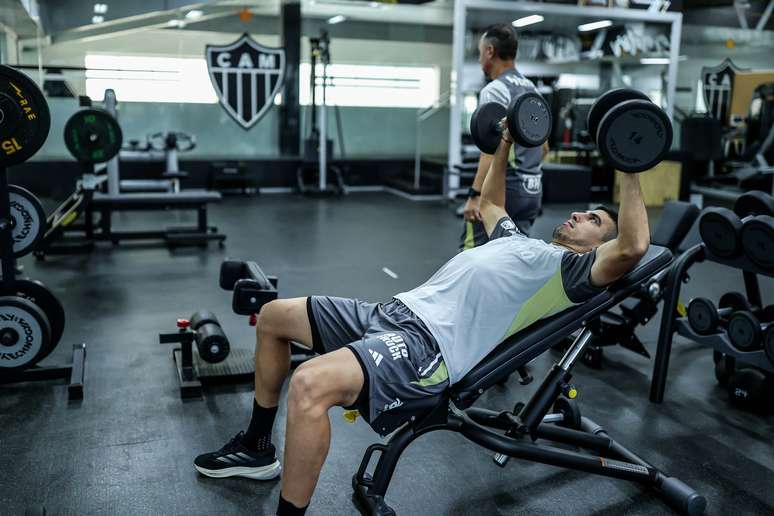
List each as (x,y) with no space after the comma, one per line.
(496,53)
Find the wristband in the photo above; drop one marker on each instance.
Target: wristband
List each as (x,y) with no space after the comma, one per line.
(472,192)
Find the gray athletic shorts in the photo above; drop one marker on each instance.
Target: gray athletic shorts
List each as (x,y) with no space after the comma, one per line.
(405,374)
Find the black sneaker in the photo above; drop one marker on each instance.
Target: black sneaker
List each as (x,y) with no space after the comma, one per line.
(234,460)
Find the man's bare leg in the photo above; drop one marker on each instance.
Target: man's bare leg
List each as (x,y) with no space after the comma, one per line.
(333,379)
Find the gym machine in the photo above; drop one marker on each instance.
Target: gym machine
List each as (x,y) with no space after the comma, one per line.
(31,318)
(316,155)
(214,360)
(169,143)
(739,331)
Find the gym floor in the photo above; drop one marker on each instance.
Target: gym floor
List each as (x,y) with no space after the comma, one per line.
(128,446)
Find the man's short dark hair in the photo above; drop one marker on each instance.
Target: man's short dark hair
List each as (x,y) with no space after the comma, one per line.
(610,235)
(502,37)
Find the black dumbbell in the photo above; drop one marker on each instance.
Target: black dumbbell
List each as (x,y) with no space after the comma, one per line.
(528,121)
(202,317)
(757,239)
(751,389)
(212,343)
(725,366)
(754,203)
(720,230)
(745,328)
(705,319)
(631,132)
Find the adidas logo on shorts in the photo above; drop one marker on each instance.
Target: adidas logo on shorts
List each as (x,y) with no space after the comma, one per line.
(377,356)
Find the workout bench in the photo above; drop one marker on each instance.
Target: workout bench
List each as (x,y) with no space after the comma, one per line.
(518,433)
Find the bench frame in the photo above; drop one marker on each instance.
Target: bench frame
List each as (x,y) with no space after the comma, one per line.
(519,433)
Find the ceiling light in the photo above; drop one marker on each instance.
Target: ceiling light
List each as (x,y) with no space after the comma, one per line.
(100,8)
(374,4)
(594,25)
(97,19)
(194,14)
(654,60)
(527,20)
(333,20)
(176,23)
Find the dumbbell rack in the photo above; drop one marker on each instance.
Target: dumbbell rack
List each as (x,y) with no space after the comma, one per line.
(74,371)
(670,323)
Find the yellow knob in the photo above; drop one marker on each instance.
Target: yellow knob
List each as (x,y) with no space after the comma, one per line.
(572,393)
(350,416)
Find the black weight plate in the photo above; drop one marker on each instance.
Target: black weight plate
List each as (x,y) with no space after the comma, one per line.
(29,220)
(757,238)
(484,126)
(634,136)
(768,343)
(529,119)
(36,292)
(744,331)
(754,203)
(24,117)
(724,367)
(702,316)
(24,333)
(606,102)
(719,229)
(92,136)
(735,300)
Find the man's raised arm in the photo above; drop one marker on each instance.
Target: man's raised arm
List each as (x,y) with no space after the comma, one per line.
(493,190)
(617,257)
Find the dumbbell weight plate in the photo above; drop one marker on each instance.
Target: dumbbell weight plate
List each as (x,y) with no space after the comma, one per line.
(725,366)
(529,119)
(719,229)
(744,331)
(750,389)
(606,102)
(634,136)
(757,237)
(754,203)
(483,126)
(24,333)
(736,301)
(28,220)
(702,315)
(24,117)
(92,136)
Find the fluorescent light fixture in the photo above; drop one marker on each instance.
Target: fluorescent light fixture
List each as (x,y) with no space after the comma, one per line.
(375,4)
(194,14)
(333,20)
(527,20)
(654,60)
(586,27)
(100,8)
(176,23)
(97,19)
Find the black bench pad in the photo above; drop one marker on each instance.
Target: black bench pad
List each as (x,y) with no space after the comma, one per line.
(138,199)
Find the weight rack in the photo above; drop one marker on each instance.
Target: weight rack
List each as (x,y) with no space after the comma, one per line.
(671,324)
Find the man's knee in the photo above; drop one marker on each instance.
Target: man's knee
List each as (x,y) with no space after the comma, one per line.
(276,318)
(307,392)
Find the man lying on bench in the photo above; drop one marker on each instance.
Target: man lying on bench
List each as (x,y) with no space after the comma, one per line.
(382,359)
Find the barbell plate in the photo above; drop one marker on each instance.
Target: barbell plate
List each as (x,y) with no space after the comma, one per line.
(634,136)
(608,101)
(92,136)
(483,126)
(529,119)
(43,298)
(757,236)
(24,117)
(24,333)
(29,220)
(754,203)
(719,229)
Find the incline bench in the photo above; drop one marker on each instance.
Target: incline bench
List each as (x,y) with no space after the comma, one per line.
(514,434)
(196,200)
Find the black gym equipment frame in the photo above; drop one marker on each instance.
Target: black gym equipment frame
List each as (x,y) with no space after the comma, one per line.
(75,371)
(671,323)
(527,425)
